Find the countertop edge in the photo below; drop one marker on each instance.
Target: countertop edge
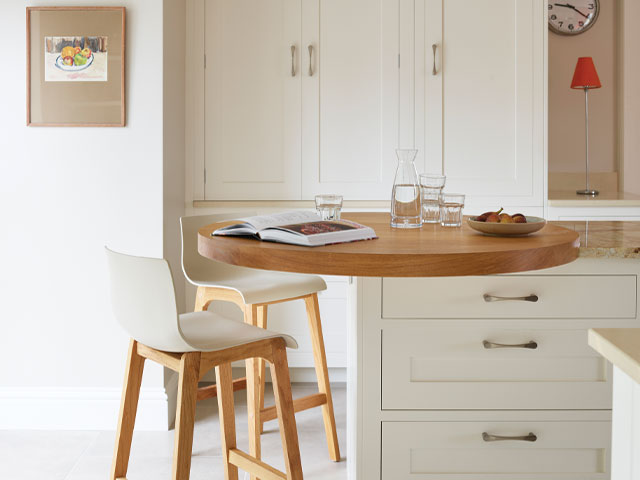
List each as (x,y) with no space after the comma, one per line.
(623,354)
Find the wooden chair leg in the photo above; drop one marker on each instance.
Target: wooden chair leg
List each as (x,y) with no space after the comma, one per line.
(253,396)
(226,410)
(286,416)
(322,373)
(262,323)
(186,414)
(128,409)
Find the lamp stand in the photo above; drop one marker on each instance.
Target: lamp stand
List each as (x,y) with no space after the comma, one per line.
(587,190)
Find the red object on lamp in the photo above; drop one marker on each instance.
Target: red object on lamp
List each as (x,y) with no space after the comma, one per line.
(585,75)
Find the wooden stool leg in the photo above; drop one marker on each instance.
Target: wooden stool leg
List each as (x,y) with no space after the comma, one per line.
(262,323)
(128,409)
(286,416)
(226,410)
(253,389)
(186,414)
(322,373)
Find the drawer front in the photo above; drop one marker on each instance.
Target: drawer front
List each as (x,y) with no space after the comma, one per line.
(457,451)
(559,296)
(451,368)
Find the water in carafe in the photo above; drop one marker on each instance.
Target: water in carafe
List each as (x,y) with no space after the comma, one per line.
(405,198)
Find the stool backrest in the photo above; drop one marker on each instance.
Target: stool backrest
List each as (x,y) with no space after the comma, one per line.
(192,261)
(144,301)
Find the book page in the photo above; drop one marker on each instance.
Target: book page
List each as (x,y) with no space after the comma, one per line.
(320,227)
(260,222)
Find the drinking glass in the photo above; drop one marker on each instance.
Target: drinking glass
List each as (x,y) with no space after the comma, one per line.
(329,206)
(431,186)
(451,205)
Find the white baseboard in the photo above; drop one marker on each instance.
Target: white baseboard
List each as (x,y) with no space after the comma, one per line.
(78,409)
(41,408)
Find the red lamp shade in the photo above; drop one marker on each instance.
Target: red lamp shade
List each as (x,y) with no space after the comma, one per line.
(585,75)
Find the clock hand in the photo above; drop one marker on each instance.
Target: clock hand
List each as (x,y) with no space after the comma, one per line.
(567,5)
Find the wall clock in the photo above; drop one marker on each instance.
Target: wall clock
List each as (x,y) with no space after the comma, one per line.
(572,18)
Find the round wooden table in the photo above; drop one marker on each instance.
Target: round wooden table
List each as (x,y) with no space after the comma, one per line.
(431,251)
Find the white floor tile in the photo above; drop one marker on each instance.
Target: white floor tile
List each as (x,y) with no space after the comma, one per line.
(37,455)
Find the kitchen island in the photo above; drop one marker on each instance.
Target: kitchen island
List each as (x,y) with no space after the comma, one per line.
(453,387)
(447,383)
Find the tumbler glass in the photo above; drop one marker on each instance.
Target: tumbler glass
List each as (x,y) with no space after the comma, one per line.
(329,206)
(451,205)
(431,186)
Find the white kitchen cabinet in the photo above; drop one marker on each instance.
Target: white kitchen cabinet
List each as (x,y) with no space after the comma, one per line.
(350,98)
(252,99)
(359,84)
(437,366)
(480,101)
(301,98)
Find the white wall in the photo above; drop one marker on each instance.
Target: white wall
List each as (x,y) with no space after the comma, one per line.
(63,353)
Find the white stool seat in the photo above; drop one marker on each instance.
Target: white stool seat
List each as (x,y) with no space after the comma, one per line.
(208,332)
(255,286)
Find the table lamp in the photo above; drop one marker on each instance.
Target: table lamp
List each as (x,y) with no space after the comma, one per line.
(586,77)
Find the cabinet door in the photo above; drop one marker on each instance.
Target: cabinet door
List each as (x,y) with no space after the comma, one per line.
(481,117)
(252,99)
(350,97)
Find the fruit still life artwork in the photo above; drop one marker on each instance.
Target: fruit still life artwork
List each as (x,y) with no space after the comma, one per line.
(75,59)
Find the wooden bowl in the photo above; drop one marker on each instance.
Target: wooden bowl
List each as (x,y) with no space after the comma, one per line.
(508,229)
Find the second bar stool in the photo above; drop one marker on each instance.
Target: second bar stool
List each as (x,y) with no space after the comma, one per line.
(253,291)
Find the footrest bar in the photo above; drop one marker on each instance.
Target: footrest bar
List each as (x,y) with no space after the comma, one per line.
(254,466)
(299,404)
(211,391)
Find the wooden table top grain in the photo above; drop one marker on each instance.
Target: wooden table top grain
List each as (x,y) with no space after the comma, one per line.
(430,251)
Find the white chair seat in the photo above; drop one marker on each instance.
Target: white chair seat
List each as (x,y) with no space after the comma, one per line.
(208,332)
(255,286)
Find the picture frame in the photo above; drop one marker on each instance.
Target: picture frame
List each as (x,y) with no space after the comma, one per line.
(76,66)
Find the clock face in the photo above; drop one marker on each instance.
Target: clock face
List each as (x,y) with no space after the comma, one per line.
(572,18)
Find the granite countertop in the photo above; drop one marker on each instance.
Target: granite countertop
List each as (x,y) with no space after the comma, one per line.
(621,346)
(606,239)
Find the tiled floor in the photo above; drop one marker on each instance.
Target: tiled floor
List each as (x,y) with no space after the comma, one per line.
(65,455)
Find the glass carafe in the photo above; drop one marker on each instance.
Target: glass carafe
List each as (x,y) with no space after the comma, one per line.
(405,199)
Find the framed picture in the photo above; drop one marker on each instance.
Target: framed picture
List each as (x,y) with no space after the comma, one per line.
(75,66)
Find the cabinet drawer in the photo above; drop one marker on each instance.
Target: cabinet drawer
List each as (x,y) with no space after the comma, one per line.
(451,368)
(559,296)
(457,451)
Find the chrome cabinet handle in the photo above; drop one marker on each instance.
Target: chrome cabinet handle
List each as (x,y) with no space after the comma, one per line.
(487,437)
(311,60)
(293,58)
(434,71)
(531,345)
(494,298)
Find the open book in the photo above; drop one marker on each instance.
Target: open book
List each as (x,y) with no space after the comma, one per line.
(298,228)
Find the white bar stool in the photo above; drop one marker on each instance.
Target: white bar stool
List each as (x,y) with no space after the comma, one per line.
(253,291)
(144,303)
